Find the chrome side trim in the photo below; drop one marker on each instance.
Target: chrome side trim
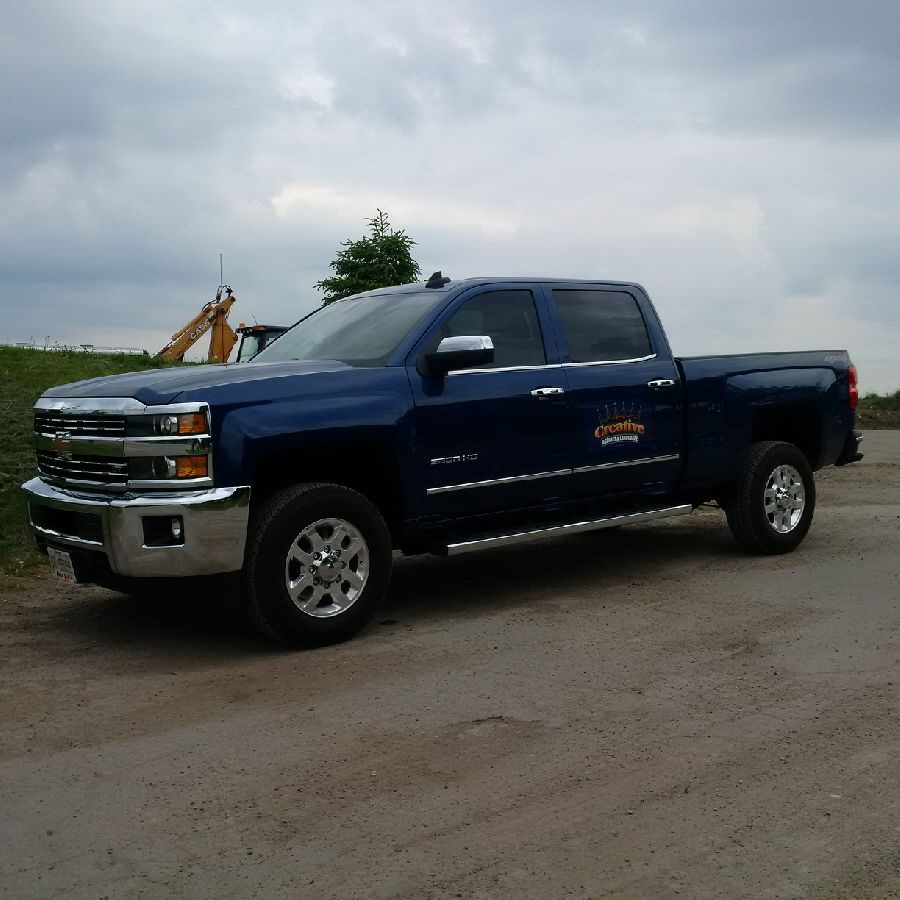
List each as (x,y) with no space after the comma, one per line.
(509,479)
(668,457)
(534,477)
(506,369)
(609,362)
(520,537)
(599,362)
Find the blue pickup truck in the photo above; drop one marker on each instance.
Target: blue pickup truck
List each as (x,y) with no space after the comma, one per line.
(441,417)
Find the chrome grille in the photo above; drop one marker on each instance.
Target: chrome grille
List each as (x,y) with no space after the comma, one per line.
(51,422)
(72,468)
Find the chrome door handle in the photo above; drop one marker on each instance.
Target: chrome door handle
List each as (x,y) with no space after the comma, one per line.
(661,383)
(547,392)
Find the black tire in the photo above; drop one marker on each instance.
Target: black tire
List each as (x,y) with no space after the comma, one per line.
(745,505)
(275,528)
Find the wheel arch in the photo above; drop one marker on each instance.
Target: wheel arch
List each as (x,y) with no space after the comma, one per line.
(799,424)
(368,467)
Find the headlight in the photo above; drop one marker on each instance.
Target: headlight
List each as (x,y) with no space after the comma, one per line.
(185,423)
(169,445)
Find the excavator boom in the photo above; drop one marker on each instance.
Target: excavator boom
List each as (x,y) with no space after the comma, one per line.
(213,320)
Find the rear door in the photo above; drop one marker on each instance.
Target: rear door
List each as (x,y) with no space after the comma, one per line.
(495,438)
(623,389)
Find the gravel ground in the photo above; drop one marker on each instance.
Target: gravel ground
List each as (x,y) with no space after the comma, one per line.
(643,713)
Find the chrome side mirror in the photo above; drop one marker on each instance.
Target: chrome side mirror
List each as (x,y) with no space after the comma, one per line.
(464,351)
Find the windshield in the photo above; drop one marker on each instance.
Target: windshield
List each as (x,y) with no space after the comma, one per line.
(359,331)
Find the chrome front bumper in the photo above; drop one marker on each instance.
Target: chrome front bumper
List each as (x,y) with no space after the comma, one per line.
(214,528)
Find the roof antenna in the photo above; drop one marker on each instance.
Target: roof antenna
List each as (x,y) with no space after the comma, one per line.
(221,277)
(436,280)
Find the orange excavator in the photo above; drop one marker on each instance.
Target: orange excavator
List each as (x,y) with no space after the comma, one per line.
(212,320)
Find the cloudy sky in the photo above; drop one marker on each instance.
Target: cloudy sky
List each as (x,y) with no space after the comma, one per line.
(741,160)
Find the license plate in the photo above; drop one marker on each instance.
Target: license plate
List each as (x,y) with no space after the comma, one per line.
(61,565)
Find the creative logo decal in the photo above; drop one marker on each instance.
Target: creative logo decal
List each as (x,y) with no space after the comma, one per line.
(619,425)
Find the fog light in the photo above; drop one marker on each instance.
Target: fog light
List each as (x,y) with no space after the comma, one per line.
(163,531)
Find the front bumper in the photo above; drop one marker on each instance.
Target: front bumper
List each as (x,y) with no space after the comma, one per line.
(214,528)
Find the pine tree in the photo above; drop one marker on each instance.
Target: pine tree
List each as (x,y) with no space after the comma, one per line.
(381,259)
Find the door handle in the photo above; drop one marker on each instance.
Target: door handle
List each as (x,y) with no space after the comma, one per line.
(661,383)
(547,392)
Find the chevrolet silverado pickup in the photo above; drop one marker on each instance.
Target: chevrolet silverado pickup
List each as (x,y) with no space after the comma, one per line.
(439,417)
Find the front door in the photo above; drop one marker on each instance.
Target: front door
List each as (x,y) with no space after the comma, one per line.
(496,438)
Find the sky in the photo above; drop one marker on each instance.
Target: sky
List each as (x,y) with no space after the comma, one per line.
(740,160)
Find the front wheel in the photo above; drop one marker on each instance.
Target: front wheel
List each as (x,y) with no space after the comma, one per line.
(318,564)
(771,506)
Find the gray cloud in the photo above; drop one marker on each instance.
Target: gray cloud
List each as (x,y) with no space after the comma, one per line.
(739,160)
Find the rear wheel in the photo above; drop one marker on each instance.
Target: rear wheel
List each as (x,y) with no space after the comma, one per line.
(771,506)
(318,564)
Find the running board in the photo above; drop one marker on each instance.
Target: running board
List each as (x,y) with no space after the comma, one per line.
(520,537)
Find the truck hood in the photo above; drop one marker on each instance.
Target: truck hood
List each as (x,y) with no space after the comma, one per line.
(158,386)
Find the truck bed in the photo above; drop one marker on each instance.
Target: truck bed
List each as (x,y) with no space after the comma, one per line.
(733,400)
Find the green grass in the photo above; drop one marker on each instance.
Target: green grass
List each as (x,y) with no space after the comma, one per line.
(24,375)
(881,401)
(879,411)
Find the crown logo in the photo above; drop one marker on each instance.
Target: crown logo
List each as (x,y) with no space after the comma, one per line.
(620,424)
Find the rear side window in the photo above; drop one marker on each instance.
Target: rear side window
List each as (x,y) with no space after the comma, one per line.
(509,319)
(602,326)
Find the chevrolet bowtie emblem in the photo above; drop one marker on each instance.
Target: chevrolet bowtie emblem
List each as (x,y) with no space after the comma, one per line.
(62,445)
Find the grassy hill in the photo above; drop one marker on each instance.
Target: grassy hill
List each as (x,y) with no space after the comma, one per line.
(24,375)
(879,411)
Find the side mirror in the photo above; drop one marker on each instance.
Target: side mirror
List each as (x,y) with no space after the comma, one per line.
(464,351)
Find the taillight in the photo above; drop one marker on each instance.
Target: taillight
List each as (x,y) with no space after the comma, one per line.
(853,387)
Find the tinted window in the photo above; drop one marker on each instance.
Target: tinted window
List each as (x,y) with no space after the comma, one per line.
(359,331)
(602,325)
(509,319)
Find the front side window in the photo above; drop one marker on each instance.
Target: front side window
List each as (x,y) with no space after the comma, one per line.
(360,331)
(602,326)
(509,319)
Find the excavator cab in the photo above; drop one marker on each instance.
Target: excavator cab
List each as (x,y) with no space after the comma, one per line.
(255,338)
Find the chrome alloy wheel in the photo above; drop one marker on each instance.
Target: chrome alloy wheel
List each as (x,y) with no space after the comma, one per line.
(327,567)
(784,499)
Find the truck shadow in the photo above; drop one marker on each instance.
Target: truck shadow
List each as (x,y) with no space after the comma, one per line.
(206,626)
(585,565)
(89,621)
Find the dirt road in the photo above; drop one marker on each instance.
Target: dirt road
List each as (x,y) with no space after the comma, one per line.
(644,714)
